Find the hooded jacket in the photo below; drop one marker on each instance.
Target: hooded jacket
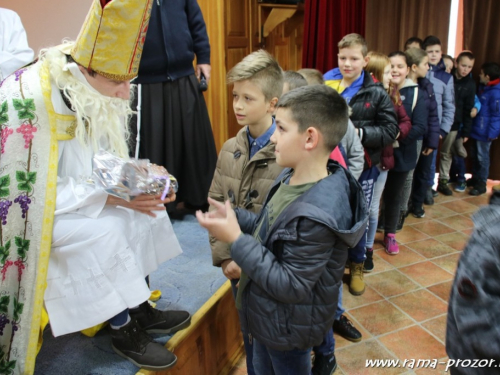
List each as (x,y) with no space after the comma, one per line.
(244,182)
(295,273)
(473,321)
(487,122)
(405,156)
(445,95)
(372,113)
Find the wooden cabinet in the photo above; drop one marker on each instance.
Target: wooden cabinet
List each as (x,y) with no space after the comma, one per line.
(235,29)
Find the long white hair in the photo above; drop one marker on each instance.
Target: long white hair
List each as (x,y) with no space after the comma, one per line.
(102,121)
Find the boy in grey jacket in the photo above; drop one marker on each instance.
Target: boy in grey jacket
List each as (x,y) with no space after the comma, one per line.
(444,91)
(293,253)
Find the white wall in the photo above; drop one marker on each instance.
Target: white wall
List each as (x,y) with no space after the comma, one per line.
(47,22)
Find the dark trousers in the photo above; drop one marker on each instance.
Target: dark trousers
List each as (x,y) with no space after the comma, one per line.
(393,196)
(421,179)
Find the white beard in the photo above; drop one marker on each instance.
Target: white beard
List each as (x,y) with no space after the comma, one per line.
(101,120)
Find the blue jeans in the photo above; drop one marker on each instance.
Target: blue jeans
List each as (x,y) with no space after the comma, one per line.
(368,178)
(246,342)
(480,152)
(457,171)
(373,219)
(267,361)
(432,171)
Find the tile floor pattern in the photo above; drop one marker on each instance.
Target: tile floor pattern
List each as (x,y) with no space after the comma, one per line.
(402,314)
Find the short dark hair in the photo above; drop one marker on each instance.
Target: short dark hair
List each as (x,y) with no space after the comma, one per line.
(431,40)
(413,39)
(463,54)
(491,69)
(293,79)
(321,107)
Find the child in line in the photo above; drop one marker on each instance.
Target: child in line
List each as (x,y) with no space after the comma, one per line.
(375,121)
(380,68)
(413,42)
(444,93)
(465,90)
(247,166)
(293,253)
(486,126)
(292,80)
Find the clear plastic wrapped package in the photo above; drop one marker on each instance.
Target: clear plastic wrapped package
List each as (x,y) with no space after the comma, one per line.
(128,178)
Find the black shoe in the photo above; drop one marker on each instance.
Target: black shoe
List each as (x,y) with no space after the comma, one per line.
(471,182)
(443,187)
(401,221)
(343,327)
(132,343)
(324,365)
(368,264)
(418,211)
(479,189)
(434,193)
(158,321)
(429,197)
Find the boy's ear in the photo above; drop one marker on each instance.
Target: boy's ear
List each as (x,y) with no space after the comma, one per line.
(366,59)
(272,104)
(312,138)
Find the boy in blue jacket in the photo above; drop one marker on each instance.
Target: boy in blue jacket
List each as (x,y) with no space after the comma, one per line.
(486,126)
(445,97)
(293,253)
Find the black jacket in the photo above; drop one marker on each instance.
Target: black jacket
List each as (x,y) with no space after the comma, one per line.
(465,91)
(176,32)
(431,139)
(405,156)
(295,274)
(373,112)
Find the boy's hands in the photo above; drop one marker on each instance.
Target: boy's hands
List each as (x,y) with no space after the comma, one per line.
(230,269)
(221,222)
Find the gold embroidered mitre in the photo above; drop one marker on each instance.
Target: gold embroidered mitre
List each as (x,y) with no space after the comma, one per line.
(112,37)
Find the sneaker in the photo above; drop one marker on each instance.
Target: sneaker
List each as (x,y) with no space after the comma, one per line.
(158,321)
(391,246)
(429,197)
(434,193)
(443,187)
(368,264)
(418,211)
(460,187)
(344,327)
(357,283)
(134,344)
(324,364)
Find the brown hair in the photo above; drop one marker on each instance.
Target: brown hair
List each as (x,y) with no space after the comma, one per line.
(376,66)
(263,70)
(354,40)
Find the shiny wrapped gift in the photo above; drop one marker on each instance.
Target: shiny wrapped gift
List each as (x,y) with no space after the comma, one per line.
(128,178)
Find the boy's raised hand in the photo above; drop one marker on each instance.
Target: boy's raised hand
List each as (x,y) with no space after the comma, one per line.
(221,222)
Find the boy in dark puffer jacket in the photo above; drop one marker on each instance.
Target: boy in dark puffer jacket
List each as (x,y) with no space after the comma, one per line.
(373,116)
(293,264)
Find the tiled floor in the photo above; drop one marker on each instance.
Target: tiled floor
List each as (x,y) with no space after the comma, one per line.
(402,314)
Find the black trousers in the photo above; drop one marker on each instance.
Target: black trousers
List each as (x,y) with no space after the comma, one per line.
(421,179)
(393,195)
